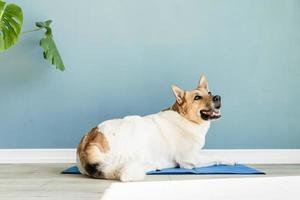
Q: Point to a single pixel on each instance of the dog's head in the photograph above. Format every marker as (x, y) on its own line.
(197, 105)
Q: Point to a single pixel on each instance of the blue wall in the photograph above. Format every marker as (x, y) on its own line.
(122, 56)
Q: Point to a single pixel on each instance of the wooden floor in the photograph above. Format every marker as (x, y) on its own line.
(44, 181)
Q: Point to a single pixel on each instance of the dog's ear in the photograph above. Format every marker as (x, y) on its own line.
(179, 93)
(203, 82)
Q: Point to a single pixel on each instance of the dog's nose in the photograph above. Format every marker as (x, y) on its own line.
(217, 101)
(217, 98)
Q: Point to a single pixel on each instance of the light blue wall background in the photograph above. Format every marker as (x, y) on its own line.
(122, 56)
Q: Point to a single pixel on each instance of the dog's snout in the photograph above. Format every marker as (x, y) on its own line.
(217, 98)
(217, 101)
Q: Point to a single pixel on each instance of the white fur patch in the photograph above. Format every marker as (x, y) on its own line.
(152, 142)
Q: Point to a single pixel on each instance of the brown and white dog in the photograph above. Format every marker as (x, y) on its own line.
(127, 148)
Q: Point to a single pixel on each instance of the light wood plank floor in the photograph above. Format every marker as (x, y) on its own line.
(44, 181)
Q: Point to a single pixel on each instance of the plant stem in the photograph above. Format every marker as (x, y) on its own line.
(37, 29)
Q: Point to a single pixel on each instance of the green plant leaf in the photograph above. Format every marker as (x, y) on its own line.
(11, 21)
(47, 43)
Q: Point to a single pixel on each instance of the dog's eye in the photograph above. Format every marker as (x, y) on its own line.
(209, 93)
(197, 97)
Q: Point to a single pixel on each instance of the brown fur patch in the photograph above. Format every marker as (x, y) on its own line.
(90, 145)
(98, 139)
(95, 137)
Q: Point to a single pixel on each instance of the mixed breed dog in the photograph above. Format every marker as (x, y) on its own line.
(127, 148)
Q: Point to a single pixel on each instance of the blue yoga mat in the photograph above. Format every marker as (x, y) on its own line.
(215, 169)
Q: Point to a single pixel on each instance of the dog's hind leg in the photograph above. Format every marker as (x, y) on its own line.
(132, 171)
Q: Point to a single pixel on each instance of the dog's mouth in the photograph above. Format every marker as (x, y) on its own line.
(210, 114)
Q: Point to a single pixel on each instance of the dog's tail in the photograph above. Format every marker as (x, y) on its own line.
(91, 152)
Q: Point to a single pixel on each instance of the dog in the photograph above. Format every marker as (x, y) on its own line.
(125, 149)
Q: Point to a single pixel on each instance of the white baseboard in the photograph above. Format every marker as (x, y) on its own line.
(247, 156)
